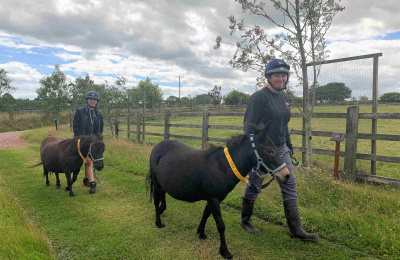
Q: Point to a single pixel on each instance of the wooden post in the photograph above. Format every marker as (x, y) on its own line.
(166, 125)
(336, 166)
(204, 135)
(350, 160)
(138, 126)
(143, 133)
(374, 111)
(128, 122)
(116, 129)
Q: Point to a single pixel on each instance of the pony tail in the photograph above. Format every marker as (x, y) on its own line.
(36, 165)
(149, 184)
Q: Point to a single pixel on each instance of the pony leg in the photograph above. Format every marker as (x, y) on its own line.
(75, 175)
(157, 194)
(58, 184)
(69, 182)
(46, 173)
(215, 208)
(200, 229)
(163, 205)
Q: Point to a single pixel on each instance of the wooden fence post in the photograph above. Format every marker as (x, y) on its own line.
(116, 129)
(166, 125)
(138, 126)
(128, 122)
(350, 160)
(204, 135)
(144, 129)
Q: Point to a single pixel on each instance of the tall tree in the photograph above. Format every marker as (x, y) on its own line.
(332, 92)
(215, 95)
(390, 97)
(203, 99)
(54, 93)
(235, 97)
(78, 90)
(303, 25)
(5, 83)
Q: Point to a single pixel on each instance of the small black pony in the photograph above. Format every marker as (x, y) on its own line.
(191, 174)
(67, 156)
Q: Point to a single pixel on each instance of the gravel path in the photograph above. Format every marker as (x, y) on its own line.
(11, 140)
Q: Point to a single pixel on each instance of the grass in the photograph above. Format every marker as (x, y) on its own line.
(355, 221)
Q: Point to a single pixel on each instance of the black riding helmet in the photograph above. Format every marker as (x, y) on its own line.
(92, 94)
(277, 66)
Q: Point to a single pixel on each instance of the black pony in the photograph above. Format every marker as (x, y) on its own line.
(67, 156)
(191, 174)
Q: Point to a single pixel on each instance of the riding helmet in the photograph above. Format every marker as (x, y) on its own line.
(92, 94)
(276, 66)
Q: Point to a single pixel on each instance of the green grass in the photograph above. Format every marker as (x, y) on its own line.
(355, 221)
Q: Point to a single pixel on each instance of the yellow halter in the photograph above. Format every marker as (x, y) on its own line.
(233, 166)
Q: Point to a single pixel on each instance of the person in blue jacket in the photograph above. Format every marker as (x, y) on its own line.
(88, 120)
(270, 105)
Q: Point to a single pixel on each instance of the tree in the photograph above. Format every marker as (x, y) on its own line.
(5, 83)
(215, 95)
(304, 24)
(363, 98)
(78, 91)
(152, 92)
(390, 97)
(203, 99)
(172, 100)
(235, 97)
(186, 101)
(332, 92)
(54, 93)
(8, 102)
(293, 98)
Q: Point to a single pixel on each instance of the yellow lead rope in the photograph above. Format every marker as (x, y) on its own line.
(233, 167)
(79, 151)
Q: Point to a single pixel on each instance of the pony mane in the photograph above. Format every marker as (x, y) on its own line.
(236, 140)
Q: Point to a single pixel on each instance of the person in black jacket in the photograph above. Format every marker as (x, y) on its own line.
(270, 105)
(88, 120)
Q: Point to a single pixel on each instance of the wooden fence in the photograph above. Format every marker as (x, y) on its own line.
(352, 136)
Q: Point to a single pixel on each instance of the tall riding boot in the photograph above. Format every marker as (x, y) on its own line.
(247, 211)
(293, 221)
(92, 187)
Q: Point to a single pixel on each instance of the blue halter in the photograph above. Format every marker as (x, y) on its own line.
(260, 162)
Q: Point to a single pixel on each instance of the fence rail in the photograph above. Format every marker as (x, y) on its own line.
(350, 154)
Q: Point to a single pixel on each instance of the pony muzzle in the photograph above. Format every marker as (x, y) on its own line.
(282, 176)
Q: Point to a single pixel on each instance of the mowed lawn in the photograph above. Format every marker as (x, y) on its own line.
(355, 221)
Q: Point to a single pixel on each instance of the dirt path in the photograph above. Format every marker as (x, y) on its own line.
(11, 140)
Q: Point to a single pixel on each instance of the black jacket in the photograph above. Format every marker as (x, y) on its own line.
(82, 123)
(264, 106)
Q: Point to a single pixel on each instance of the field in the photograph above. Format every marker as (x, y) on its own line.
(354, 220)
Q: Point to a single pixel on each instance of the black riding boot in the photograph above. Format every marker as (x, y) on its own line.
(86, 182)
(293, 221)
(247, 211)
(92, 187)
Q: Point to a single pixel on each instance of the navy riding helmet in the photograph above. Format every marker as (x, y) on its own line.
(277, 66)
(92, 94)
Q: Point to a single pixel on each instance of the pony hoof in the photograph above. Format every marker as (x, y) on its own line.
(72, 195)
(202, 236)
(226, 254)
(57, 186)
(160, 226)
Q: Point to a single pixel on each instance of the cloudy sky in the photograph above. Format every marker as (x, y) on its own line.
(164, 39)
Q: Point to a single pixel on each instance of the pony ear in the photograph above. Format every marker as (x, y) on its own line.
(269, 142)
(266, 129)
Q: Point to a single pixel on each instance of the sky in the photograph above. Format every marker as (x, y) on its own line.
(168, 40)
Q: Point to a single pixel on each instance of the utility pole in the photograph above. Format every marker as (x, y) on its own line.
(179, 89)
